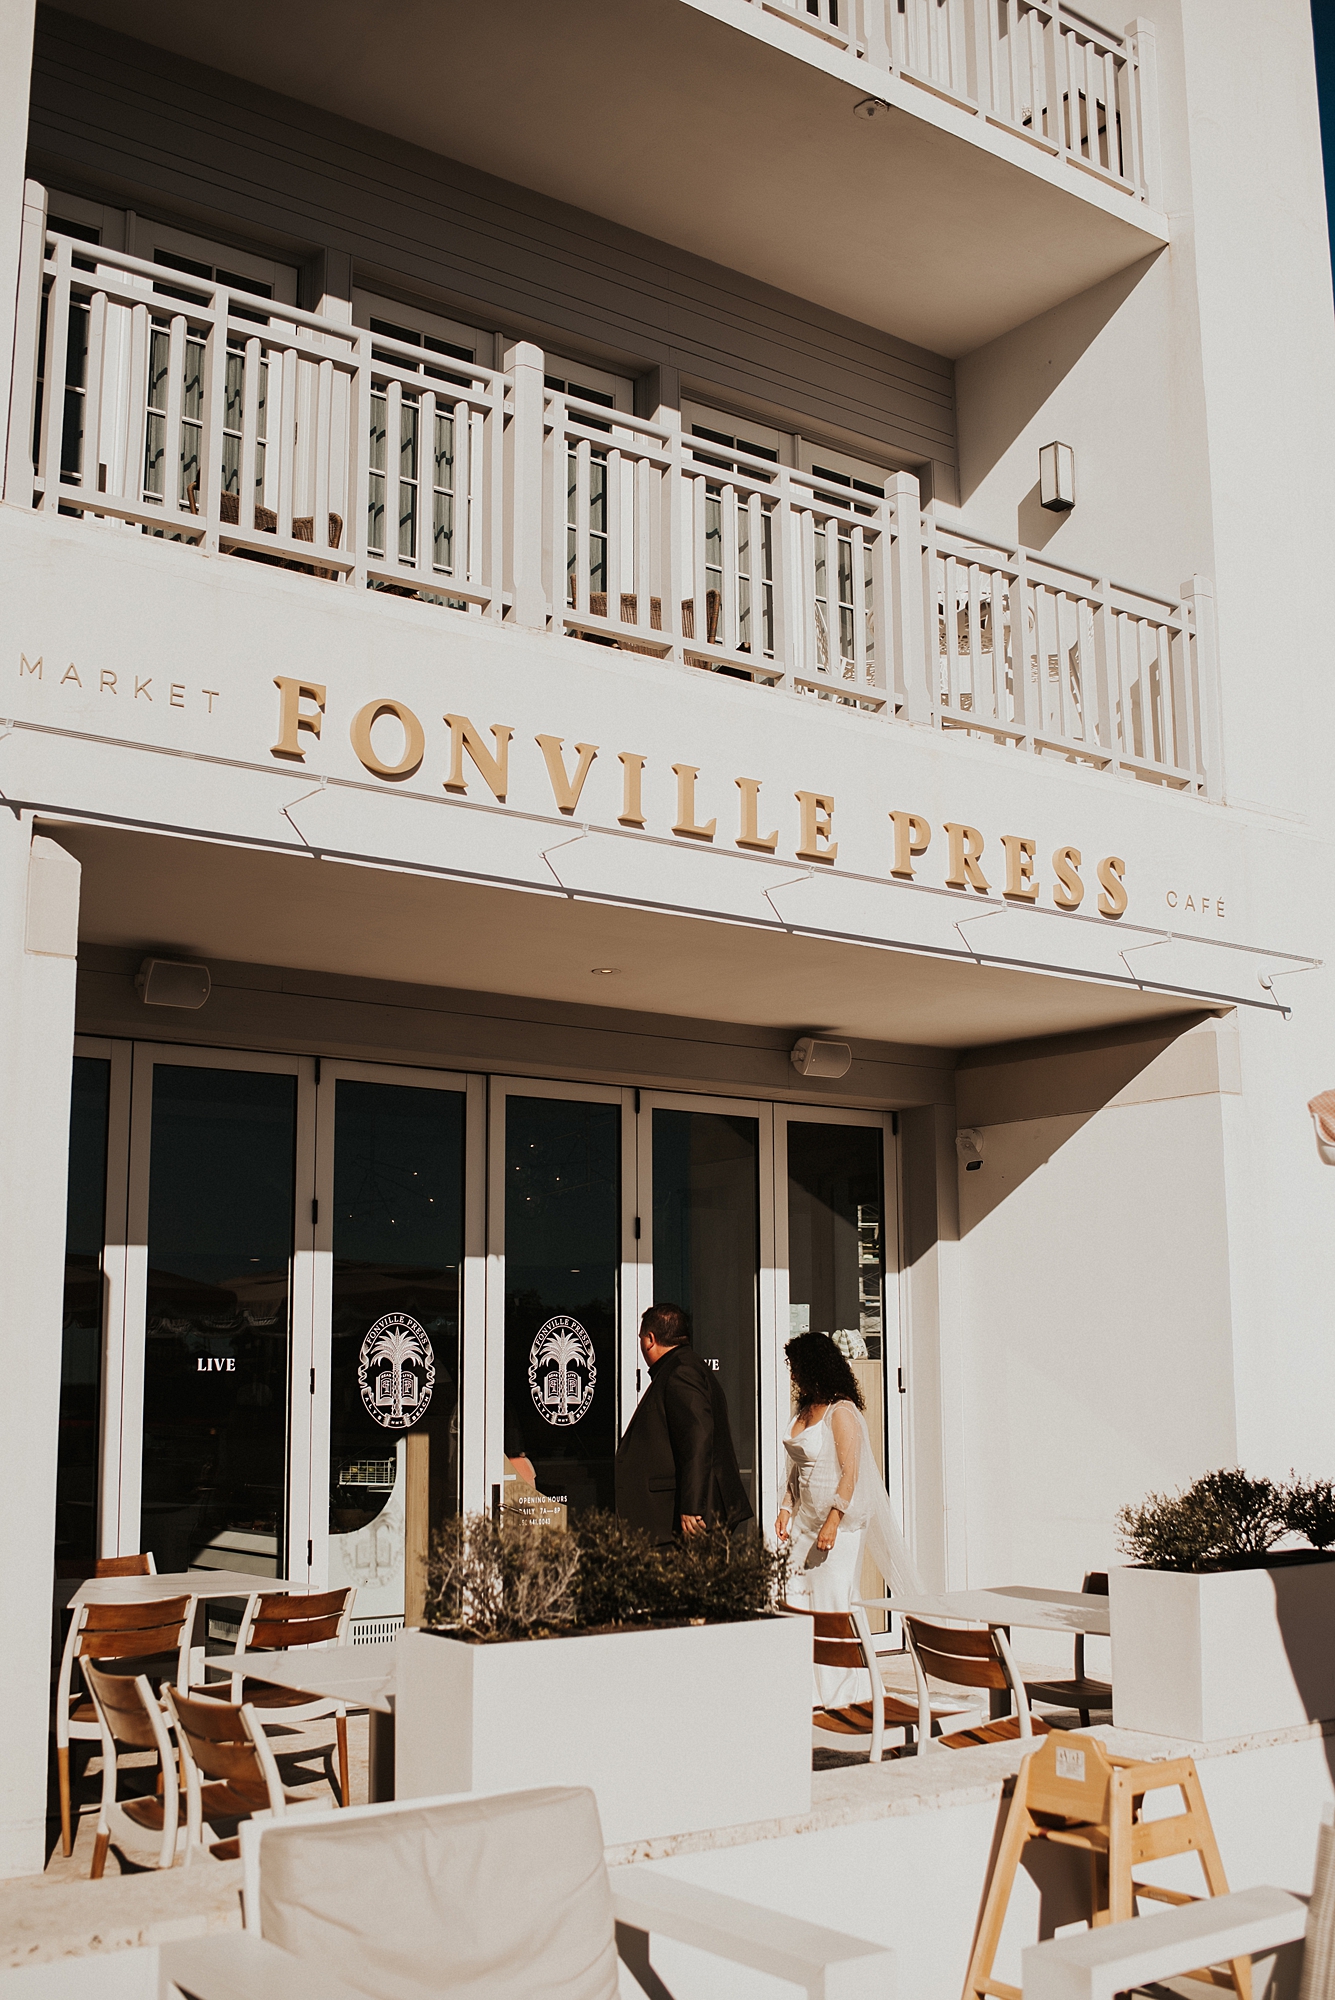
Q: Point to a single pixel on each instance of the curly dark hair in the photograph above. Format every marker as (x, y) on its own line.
(820, 1372)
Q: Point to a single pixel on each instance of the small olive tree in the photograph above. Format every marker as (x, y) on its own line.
(1309, 1510)
(1221, 1516)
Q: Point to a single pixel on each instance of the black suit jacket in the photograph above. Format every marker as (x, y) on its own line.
(677, 1456)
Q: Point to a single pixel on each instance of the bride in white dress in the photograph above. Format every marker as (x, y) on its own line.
(835, 1504)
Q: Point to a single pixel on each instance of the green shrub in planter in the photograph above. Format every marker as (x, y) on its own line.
(1309, 1510)
(501, 1579)
(1221, 1520)
(509, 1579)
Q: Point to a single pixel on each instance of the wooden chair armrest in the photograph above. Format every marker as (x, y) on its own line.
(1096, 1964)
(238, 1965)
(828, 1965)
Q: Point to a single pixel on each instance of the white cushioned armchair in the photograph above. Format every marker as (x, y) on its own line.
(504, 1896)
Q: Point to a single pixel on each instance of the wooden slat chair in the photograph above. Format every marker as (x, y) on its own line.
(1081, 1692)
(131, 1718)
(151, 1637)
(965, 1656)
(229, 1771)
(844, 1639)
(278, 1621)
(141, 1564)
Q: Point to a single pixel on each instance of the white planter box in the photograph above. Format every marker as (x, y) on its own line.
(676, 1731)
(1228, 1654)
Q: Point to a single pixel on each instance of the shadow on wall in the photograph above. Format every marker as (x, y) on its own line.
(1037, 1095)
(1309, 1644)
(1036, 523)
(1021, 371)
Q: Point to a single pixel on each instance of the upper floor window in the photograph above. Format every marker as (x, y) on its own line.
(589, 385)
(197, 257)
(782, 447)
(433, 333)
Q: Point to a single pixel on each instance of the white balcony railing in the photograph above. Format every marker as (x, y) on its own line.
(1031, 654)
(208, 417)
(1037, 67)
(153, 403)
(677, 545)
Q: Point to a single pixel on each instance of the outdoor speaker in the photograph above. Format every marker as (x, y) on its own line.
(172, 982)
(813, 1057)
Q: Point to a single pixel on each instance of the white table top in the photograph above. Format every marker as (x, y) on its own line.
(360, 1675)
(1014, 1604)
(174, 1583)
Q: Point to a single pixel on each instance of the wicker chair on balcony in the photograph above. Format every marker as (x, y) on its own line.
(630, 612)
(266, 523)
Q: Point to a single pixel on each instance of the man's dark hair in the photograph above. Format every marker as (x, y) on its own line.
(820, 1372)
(668, 1324)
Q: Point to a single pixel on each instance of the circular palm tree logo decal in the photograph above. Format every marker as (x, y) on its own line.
(562, 1371)
(397, 1371)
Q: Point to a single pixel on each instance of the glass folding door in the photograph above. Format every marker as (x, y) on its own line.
(213, 1300)
(705, 1244)
(838, 1226)
(392, 1259)
(82, 1320)
(560, 1306)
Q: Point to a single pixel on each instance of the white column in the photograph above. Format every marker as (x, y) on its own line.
(937, 1491)
(523, 481)
(39, 913)
(16, 29)
(908, 661)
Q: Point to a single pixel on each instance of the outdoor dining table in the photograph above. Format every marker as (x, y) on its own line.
(360, 1676)
(201, 1584)
(1012, 1604)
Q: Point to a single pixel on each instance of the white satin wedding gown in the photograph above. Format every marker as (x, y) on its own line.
(833, 1459)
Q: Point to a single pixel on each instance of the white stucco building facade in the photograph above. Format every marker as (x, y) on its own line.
(524, 562)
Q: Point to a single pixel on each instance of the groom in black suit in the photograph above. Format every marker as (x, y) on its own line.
(676, 1469)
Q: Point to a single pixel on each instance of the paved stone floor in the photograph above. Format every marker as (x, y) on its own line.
(47, 1916)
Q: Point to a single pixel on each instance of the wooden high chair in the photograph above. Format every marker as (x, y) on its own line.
(1073, 1793)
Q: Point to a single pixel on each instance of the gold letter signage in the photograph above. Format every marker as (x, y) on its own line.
(1014, 856)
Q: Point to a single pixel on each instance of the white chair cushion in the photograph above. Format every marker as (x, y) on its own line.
(504, 1897)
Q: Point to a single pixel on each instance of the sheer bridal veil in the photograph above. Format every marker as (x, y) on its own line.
(885, 1541)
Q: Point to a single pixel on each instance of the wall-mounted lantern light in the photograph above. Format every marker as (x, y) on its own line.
(1056, 477)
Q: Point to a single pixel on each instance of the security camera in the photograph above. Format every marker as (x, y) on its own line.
(969, 1146)
(814, 1057)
